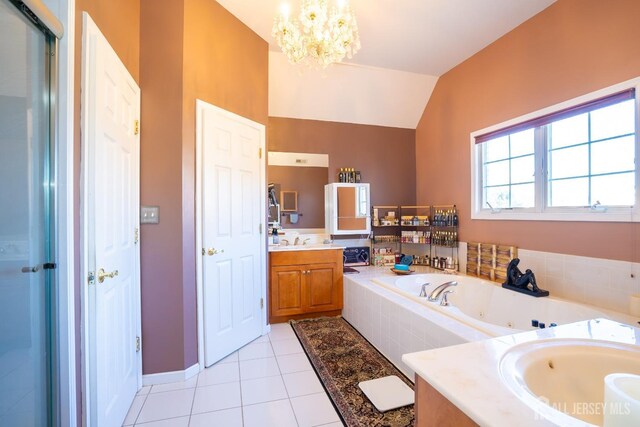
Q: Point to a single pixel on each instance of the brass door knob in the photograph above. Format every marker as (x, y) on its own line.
(104, 275)
(212, 251)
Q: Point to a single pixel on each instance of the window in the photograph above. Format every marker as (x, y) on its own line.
(508, 165)
(575, 161)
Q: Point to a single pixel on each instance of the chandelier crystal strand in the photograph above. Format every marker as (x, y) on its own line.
(320, 36)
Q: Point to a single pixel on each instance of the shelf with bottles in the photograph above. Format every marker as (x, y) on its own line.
(415, 237)
(447, 239)
(385, 238)
(445, 217)
(385, 216)
(349, 175)
(385, 256)
(438, 263)
(415, 216)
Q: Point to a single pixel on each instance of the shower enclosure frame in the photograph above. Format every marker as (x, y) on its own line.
(65, 343)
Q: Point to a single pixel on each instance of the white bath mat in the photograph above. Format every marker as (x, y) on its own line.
(387, 393)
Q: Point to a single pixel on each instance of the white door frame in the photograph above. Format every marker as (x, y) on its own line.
(200, 105)
(65, 216)
(86, 252)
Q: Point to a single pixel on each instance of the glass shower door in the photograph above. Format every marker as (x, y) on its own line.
(25, 231)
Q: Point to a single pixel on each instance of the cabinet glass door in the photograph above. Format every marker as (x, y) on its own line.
(25, 231)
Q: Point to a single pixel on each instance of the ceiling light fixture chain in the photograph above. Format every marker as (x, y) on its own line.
(320, 36)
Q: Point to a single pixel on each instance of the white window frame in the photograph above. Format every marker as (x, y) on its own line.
(540, 212)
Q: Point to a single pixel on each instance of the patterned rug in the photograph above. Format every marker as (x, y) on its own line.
(343, 358)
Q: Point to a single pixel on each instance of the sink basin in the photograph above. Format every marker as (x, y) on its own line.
(563, 379)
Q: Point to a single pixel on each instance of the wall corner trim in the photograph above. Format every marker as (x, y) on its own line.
(170, 377)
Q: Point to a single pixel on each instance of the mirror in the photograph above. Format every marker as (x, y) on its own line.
(274, 205)
(296, 189)
(347, 209)
(289, 201)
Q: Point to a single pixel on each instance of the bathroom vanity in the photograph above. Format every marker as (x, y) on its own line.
(305, 282)
(548, 377)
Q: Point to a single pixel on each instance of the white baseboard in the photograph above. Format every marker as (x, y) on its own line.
(170, 377)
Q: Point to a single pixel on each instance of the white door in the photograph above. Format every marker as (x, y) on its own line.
(232, 200)
(110, 108)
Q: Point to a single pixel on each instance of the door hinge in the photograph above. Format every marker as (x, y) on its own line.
(261, 302)
(260, 228)
(137, 344)
(136, 235)
(136, 127)
(91, 278)
(260, 152)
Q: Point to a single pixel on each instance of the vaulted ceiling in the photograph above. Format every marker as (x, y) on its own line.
(412, 41)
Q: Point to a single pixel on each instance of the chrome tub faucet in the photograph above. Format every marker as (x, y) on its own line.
(440, 291)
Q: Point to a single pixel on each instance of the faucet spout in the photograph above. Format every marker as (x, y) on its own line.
(438, 292)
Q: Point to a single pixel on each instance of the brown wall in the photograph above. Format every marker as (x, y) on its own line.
(309, 182)
(382, 154)
(191, 49)
(571, 48)
(161, 269)
(119, 21)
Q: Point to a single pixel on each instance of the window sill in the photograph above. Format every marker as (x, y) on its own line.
(510, 215)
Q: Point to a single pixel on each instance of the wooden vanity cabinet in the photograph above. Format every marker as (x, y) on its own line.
(305, 284)
(432, 409)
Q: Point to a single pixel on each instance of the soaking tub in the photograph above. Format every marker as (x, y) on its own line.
(387, 310)
(493, 310)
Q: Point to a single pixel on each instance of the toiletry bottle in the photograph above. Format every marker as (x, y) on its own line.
(358, 177)
(455, 218)
(276, 239)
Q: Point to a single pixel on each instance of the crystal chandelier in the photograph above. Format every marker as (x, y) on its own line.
(321, 36)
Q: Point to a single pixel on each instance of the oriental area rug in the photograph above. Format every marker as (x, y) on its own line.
(343, 358)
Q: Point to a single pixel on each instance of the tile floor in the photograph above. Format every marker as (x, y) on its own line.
(267, 383)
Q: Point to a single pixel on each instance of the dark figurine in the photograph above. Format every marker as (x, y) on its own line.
(522, 282)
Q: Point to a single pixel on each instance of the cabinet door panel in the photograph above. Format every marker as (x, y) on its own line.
(322, 287)
(286, 291)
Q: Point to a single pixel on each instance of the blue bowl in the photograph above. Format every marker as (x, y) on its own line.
(401, 267)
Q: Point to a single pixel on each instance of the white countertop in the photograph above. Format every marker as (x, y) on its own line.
(312, 247)
(468, 374)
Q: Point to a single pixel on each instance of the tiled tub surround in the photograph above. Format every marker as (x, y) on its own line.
(398, 324)
(599, 282)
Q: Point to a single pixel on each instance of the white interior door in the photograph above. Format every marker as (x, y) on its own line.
(111, 105)
(232, 200)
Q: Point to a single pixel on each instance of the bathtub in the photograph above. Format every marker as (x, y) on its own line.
(495, 311)
(387, 311)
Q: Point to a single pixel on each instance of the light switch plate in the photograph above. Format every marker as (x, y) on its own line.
(149, 214)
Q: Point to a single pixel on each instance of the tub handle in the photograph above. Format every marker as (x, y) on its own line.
(423, 290)
(444, 301)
